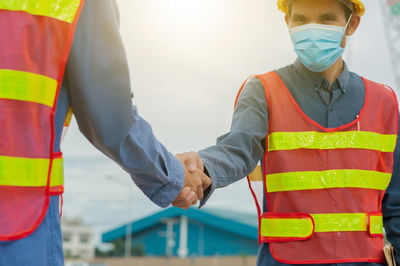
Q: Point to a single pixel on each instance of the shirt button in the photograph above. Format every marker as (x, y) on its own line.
(331, 109)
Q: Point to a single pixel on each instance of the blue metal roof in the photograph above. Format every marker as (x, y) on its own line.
(244, 225)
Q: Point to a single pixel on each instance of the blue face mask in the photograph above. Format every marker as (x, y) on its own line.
(317, 45)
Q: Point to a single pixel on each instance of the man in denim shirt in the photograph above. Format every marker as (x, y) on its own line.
(97, 86)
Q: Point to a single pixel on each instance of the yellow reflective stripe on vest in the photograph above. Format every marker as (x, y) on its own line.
(294, 181)
(376, 225)
(340, 222)
(337, 140)
(64, 10)
(25, 86)
(298, 228)
(331, 222)
(24, 172)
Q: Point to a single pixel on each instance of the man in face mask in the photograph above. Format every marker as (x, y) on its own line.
(319, 34)
(327, 141)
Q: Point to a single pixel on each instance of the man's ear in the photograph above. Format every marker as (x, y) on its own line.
(353, 24)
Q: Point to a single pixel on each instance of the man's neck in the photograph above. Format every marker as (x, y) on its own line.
(332, 73)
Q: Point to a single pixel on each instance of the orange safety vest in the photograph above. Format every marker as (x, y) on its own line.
(36, 38)
(324, 186)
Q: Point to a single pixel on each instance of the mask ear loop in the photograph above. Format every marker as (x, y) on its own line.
(347, 24)
(345, 29)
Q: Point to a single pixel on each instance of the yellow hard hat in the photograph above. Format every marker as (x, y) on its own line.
(358, 5)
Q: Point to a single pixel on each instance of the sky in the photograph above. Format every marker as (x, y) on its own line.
(188, 59)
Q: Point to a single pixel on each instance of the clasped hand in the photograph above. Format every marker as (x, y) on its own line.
(196, 181)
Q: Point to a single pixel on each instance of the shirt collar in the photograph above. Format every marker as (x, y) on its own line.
(317, 81)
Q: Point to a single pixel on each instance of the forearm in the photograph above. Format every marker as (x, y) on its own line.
(226, 163)
(234, 157)
(98, 84)
(152, 167)
(237, 153)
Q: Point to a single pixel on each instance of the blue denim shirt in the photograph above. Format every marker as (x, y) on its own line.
(97, 86)
(237, 153)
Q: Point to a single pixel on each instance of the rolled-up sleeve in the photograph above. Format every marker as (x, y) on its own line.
(238, 152)
(98, 85)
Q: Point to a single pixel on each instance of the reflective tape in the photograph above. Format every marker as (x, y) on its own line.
(337, 140)
(275, 227)
(64, 10)
(286, 228)
(25, 86)
(24, 172)
(294, 181)
(376, 225)
(340, 222)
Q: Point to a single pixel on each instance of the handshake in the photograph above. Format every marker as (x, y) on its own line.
(196, 182)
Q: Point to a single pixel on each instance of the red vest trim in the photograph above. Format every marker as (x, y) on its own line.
(337, 219)
(36, 41)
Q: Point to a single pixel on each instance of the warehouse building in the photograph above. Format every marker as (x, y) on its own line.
(193, 232)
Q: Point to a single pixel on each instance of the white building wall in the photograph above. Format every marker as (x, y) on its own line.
(78, 239)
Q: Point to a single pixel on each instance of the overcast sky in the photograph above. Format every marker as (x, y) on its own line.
(188, 58)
